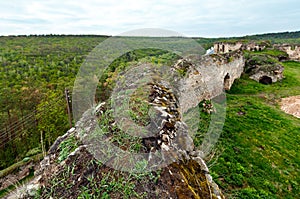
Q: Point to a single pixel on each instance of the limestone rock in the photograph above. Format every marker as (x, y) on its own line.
(264, 69)
(293, 51)
(291, 105)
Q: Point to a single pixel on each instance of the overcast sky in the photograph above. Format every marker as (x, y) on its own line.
(205, 18)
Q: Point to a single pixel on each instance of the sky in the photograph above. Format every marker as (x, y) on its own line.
(202, 18)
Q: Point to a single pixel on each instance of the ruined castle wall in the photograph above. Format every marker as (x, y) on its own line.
(209, 78)
(254, 47)
(292, 50)
(227, 47)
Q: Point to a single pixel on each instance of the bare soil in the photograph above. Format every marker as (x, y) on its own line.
(291, 105)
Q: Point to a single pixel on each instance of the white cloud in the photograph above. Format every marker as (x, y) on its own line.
(191, 17)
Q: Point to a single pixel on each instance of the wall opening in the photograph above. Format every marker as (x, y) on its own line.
(293, 47)
(265, 80)
(282, 58)
(227, 82)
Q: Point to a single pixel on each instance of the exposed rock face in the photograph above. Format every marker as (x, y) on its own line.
(261, 75)
(166, 103)
(264, 69)
(291, 105)
(293, 51)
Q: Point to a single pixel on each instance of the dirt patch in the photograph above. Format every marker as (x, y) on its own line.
(291, 105)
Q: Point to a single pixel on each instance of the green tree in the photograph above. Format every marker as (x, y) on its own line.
(52, 117)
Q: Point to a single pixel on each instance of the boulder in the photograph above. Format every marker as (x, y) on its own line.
(264, 69)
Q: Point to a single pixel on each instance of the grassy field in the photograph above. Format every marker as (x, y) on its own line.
(258, 152)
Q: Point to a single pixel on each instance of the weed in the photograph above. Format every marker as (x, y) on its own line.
(66, 147)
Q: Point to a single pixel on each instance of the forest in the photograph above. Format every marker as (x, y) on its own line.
(34, 72)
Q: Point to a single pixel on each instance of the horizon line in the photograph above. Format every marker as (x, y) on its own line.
(110, 35)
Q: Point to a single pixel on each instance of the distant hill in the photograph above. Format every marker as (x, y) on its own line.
(281, 37)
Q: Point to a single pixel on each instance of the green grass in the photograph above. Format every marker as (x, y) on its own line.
(66, 147)
(260, 157)
(272, 52)
(107, 185)
(289, 86)
(97, 181)
(117, 137)
(139, 106)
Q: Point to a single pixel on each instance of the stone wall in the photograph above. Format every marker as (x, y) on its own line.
(209, 77)
(293, 51)
(223, 47)
(254, 47)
